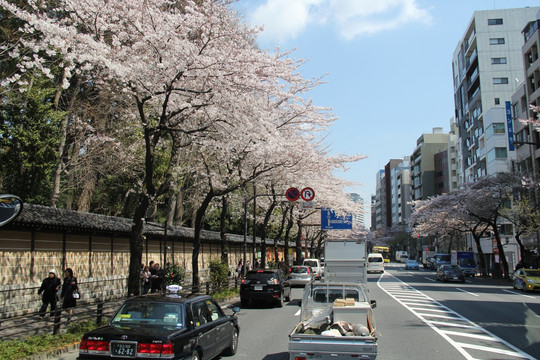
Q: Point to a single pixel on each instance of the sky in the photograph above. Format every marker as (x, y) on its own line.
(388, 66)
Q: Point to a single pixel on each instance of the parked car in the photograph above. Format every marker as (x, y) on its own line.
(450, 273)
(164, 326)
(412, 265)
(265, 285)
(375, 263)
(527, 279)
(300, 275)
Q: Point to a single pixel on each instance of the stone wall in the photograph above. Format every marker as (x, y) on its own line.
(27, 256)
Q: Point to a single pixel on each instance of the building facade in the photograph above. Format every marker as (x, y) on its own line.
(487, 69)
(423, 163)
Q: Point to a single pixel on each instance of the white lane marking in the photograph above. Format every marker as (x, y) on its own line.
(490, 349)
(516, 293)
(298, 312)
(430, 279)
(465, 291)
(459, 322)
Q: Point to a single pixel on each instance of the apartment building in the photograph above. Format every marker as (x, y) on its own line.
(423, 163)
(527, 140)
(487, 70)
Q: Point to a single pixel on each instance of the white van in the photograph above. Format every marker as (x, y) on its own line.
(315, 266)
(375, 263)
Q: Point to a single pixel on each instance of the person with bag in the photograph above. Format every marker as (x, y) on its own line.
(49, 287)
(70, 292)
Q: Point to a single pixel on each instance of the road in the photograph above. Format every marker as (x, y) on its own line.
(417, 318)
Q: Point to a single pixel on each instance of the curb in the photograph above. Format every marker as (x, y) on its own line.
(53, 354)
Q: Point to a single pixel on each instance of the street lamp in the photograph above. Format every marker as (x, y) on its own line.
(519, 143)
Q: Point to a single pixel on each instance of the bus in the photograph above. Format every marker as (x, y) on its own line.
(384, 250)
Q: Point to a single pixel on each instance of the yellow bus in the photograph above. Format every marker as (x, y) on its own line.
(384, 250)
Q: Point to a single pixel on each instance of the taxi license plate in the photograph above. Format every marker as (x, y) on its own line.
(257, 287)
(124, 349)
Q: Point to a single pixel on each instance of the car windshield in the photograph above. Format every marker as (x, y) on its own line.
(299, 270)
(162, 314)
(443, 258)
(328, 295)
(261, 275)
(310, 263)
(532, 273)
(452, 268)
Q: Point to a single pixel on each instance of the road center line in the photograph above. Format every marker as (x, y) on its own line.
(465, 291)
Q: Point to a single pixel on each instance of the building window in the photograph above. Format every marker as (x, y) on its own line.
(495, 21)
(499, 128)
(498, 61)
(497, 153)
(497, 101)
(499, 81)
(496, 41)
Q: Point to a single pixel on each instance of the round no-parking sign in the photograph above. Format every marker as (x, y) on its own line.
(292, 194)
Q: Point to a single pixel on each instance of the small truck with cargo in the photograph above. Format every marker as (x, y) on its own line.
(336, 320)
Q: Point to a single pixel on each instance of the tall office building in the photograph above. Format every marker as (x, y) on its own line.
(487, 69)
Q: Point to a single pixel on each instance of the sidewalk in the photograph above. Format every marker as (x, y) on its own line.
(71, 351)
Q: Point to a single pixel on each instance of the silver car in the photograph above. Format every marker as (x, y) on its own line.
(300, 275)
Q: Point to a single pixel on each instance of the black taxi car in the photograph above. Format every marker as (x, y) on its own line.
(265, 285)
(165, 327)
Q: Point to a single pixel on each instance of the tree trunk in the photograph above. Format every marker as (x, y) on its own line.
(61, 146)
(502, 257)
(223, 230)
(290, 223)
(197, 241)
(299, 243)
(264, 229)
(135, 246)
(279, 234)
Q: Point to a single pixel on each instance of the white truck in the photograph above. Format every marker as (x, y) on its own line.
(401, 253)
(345, 261)
(336, 320)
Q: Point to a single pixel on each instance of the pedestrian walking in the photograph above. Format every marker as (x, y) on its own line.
(145, 280)
(48, 288)
(239, 268)
(157, 278)
(70, 292)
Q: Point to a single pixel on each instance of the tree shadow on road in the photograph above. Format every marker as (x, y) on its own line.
(278, 356)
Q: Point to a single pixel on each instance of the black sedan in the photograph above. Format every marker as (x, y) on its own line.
(164, 326)
(265, 285)
(450, 273)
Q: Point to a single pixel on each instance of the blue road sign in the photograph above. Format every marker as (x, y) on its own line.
(330, 221)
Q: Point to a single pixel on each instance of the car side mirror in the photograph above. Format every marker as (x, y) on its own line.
(235, 310)
(10, 209)
(373, 304)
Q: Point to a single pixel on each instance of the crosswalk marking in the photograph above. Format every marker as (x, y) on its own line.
(442, 319)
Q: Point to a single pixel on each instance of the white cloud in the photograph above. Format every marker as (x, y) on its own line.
(286, 19)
